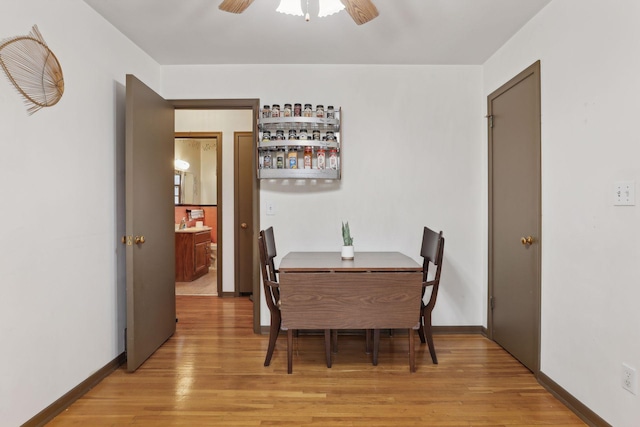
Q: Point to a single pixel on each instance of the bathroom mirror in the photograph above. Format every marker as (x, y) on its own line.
(197, 183)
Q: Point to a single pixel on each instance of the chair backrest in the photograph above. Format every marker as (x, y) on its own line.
(270, 248)
(432, 252)
(267, 248)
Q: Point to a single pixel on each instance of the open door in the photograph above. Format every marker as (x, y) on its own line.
(150, 259)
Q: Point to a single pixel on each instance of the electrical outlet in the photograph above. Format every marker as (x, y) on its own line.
(624, 193)
(629, 379)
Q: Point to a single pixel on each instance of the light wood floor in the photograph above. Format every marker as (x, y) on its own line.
(211, 373)
(205, 285)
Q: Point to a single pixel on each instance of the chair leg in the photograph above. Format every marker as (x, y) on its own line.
(367, 341)
(327, 346)
(376, 346)
(274, 330)
(412, 352)
(421, 328)
(429, 336)
(421, 332)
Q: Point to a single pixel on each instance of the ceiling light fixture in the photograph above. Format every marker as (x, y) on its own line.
(290, 7)
(294, 7)
(361, 11)
(329, 7)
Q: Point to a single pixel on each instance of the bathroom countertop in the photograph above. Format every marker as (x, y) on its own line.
(193, 229)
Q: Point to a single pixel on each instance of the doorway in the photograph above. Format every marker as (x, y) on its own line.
(225, 211)
(515, 216)
(198, 157)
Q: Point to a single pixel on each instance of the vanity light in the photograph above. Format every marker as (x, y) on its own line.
(181, 165)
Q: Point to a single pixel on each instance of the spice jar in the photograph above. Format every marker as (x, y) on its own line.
(307, 112)
(266, 111)
(330, 136)
(292, 134)
(331, 114)
(321, 158)
(316, 135)
(319, 110)
(275, 110)
(287, 110)
(297, 110)
(279, 135)
(266, 136)
(292, 158)
(308, 154)
(280, 158)
(267, 160)
(333, 159)
(303, 134)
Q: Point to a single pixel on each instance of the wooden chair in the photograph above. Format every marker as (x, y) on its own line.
(432, 251)
(267, 247)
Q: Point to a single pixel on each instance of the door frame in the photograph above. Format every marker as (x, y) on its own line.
(533, 69)
(234, 104)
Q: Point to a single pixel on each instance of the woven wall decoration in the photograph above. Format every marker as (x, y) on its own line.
(33, 69)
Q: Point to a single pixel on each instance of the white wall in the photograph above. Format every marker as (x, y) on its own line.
(413, 150)
(62, 308)
(227, 122)
(590, 76)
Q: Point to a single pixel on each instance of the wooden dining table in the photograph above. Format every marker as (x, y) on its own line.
(375, 290)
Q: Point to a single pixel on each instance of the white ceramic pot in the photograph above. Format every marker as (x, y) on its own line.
(347, 252)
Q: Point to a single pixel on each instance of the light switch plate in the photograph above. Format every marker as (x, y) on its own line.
(624, 193)
(270, 208)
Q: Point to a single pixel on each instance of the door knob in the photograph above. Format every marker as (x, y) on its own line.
(527, 240)
(243, 225)
(139, 239)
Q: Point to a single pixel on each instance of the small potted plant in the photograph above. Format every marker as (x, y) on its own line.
(347, 240)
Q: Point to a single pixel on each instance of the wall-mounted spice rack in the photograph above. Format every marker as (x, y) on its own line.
(296, 147)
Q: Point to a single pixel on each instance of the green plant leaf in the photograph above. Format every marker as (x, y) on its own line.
(346, 235)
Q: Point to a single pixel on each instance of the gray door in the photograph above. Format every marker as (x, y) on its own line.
(150, 259)
(514, 216)
(245, 188)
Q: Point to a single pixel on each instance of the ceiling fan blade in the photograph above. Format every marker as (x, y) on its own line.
(361, 11)
(234, 6)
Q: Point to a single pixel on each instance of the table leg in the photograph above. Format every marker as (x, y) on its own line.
(334, 343)
(289, 351)
(376, 346)
(367, 341)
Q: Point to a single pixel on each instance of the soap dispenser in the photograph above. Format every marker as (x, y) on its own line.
(183, 224)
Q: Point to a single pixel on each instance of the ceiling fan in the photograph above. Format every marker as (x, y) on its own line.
(361, 11)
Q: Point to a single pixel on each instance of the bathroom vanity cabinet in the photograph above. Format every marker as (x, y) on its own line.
(193, 256)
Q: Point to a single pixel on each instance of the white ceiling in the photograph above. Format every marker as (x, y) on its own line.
(406, 32)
